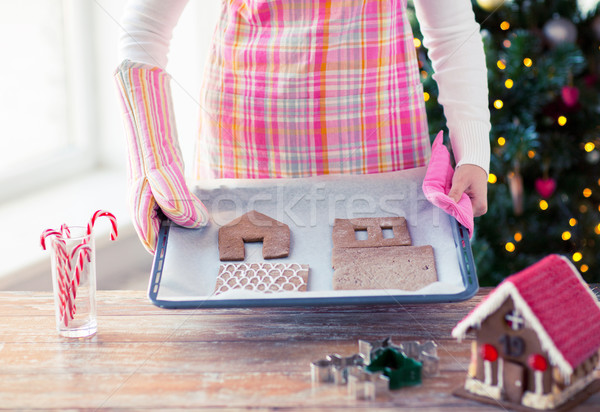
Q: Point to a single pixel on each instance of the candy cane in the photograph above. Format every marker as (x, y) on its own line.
(63, 272)
(46, 233)
(62, 259)
(76, 266)
(64, 229)
(66, 293)
(79, 255)
(90, 227)
(113, 221)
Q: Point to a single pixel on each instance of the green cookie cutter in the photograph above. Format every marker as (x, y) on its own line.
(402, 370)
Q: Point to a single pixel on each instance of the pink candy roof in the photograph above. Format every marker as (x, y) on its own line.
(556, 303)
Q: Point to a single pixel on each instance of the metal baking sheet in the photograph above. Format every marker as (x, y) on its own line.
(186, 263)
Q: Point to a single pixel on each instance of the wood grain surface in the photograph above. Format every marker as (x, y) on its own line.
(147, 358)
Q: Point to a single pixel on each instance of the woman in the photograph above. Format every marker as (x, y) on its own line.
(297, 88)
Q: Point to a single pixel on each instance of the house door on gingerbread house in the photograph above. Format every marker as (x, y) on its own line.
(533, 346)
(514, 376)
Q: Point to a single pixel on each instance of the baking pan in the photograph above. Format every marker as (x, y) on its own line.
(186, 262)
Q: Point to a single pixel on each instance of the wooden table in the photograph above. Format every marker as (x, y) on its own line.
(144, 357)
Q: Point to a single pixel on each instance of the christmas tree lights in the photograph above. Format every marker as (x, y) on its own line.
(544, 96)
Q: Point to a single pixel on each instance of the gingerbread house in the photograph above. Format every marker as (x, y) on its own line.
(537, 337)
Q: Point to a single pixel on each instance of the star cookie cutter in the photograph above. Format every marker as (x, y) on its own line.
(334, 368)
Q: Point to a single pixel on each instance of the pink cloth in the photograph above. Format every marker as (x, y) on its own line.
(437, 184)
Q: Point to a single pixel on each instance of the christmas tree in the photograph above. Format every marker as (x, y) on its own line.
(543, 59)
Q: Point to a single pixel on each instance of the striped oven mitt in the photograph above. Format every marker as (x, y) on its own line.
(156, 178)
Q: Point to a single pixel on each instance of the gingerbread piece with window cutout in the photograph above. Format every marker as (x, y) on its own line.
(377, 253)
(370, 232)
(536, 343)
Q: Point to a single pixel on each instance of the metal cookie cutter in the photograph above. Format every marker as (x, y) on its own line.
(334, 368)
(366, 385)
(369, 349)
(425, 352)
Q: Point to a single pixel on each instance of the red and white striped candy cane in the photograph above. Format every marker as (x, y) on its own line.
(47, 233)
(113, 221)
(63, 266)
(86, 252)
(77, 265)
(64, 229)
(62, 270)
(79, 255)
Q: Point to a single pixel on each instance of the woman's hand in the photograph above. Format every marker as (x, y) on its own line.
(472, 180)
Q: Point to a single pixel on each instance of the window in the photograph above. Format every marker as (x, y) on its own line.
(70, 124)
(361, 234)
(514, 320)
(46, 129)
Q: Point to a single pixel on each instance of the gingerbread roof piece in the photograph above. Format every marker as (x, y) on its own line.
(556, 303)
(254, 227)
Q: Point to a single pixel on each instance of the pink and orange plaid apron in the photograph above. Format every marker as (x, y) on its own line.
(297, 88)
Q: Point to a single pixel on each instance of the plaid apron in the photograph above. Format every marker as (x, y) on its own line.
(297, 88)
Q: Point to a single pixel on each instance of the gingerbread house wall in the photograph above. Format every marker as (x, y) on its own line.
(253, 227)
(580, 372)
(344, 232)
(495, 331)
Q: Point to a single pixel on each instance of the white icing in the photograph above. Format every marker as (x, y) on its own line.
(261, 277)
(482, 389)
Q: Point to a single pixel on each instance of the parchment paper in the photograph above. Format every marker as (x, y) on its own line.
(309, 206)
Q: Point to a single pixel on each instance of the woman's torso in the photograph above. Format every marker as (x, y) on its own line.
(297, 88)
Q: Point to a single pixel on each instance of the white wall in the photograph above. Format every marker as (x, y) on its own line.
(74, 201)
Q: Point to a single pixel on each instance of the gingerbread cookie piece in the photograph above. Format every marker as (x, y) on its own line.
(262, 277)
(407, 268)
(345, 232)
(254, 227)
